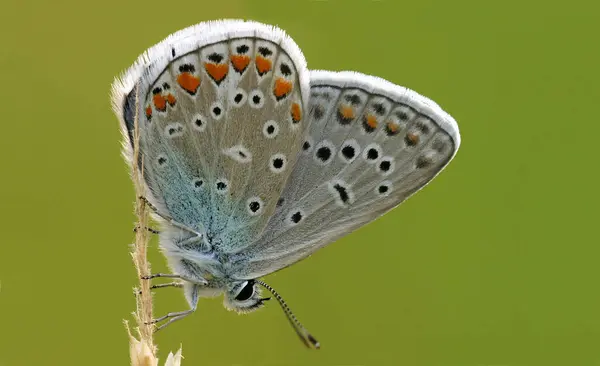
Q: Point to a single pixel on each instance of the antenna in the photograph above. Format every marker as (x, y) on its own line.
(306, 338)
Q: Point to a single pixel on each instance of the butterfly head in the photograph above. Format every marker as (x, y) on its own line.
(244, 297)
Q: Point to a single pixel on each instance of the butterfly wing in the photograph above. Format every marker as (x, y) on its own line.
(370, 146)
(221, 122)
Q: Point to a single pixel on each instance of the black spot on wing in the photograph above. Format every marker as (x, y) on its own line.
(215, 57)
(264, 51)
(342, 192)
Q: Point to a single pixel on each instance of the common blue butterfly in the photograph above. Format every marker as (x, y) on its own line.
(251, 162)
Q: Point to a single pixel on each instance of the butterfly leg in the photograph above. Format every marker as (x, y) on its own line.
(196, 280)
(170, 284)
(173, 317)
(163, 285)
(169, 218)
(192, 296)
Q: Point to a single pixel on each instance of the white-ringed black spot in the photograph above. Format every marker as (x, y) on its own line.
(270, 129)
(239, 98)
(222, 186)
(172, 52)
(216, 110)
(349, 151)
(254, 206)
(199, 122)
(197, 184)
(372, 153)
(256, 99)
(384, 188)
(324, 152)
(277, 163)
(342, 192)
(386, 165)
(295, 217)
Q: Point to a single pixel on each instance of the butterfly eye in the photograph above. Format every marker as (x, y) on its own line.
(246, 292)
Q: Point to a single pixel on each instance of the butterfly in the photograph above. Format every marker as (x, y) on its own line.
(251, 162)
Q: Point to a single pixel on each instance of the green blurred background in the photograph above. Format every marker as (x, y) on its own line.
(495, 263)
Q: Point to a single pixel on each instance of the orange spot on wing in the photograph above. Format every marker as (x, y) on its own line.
(188, 82)
(393, 127)
(148, 112)
(412, 138)
(372, 121)
(296, 113)
(263, 65)
(217, 71)
(171, 99)
(347, 111)
(159, 102)
(282, 87)
(240, 62)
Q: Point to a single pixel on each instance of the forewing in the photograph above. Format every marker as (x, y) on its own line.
(221, 117)
(370, 146)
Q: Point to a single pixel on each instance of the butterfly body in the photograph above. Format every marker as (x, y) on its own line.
(251, 162)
